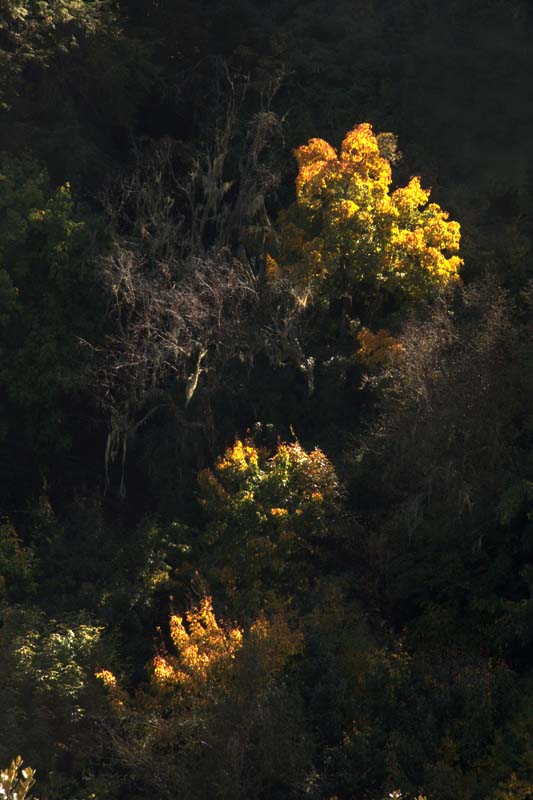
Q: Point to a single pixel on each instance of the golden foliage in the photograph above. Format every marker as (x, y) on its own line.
(205, 657)
(376, 348)
(117, 696)
(246, 477)
(107, 678)
(203, 647)
(279, 512)
(269, 513)
(239, 459)
(347, 226)
(16, 782)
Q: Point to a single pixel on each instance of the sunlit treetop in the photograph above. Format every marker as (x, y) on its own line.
(270, 514)
(349, 229)
(202, 646)
(376, 349)
(205, 652)
(253, 484)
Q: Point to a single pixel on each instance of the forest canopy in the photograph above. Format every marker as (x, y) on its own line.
(266, 486)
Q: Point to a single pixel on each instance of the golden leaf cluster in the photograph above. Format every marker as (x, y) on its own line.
(349, 227)
(202, 647)
(376, 348)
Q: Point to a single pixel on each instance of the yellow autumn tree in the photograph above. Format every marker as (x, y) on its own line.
(349, 230)
(203, 649)
(216, 718)
(204, 654)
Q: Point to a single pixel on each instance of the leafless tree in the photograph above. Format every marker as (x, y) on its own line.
(450, 399)
(184, 277)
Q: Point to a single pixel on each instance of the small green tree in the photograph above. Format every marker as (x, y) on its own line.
(45, 694)
(16, 564)
(48, 302)
(271, 517)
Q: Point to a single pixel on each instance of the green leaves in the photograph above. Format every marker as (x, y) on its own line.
(16, 564)
(36, 32)
(270, 517)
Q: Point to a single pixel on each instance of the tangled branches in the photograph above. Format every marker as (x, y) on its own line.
(185, 282)
(168, 334)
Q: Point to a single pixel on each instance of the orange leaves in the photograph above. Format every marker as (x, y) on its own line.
(203, 647)
(408, 198)
(361, 157)
(116, 695)
(238, 459)
(164, 671)
(279, 512)
(206, 650)
(348, 228)
(315, 160)
(316, 152)
(376, 348)
(107, 678)
(217, 680)
(322, 171)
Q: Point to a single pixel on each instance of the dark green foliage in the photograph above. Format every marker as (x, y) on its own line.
(49, 303)
(16, 566)
(450, 469)
(47, 668)
(69, 68)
